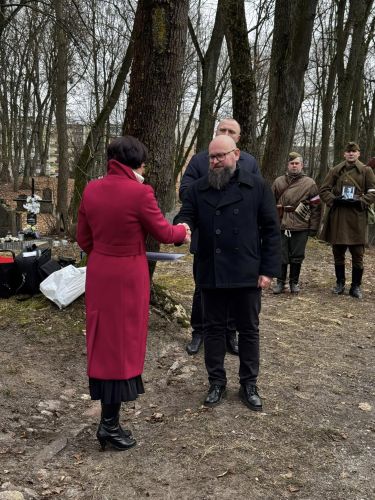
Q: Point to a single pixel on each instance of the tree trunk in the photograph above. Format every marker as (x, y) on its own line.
(159, 44)
(244, 94)
(209, 64)
(369, 149)
(359, 12)
(61, 119)
(289, 58)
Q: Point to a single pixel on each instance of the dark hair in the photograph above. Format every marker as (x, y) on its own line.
(127, 150)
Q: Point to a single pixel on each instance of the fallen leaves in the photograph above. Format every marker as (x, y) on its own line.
(365, 406)
(155, 417)
(223, 474)
(348, 315)
(293, 488)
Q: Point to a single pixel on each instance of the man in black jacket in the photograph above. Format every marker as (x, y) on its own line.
(197, 168)
(238, 254)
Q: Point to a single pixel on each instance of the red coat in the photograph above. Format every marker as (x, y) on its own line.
(115, 216)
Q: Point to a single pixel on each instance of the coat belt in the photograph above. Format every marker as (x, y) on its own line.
(119, 250)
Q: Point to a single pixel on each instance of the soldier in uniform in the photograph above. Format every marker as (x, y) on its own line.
(348, 190)
(298, 204)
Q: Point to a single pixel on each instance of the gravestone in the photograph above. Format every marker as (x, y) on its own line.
(20, 202)
(46, 201)
(10, 221)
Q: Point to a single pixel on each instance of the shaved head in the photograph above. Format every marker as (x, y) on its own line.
(230, 127)
(223, 141)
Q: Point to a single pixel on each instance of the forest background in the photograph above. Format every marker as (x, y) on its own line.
(293, 73)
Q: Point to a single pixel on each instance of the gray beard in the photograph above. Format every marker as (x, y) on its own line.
(219, 178)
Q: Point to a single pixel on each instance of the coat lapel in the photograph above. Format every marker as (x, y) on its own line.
(231, 195)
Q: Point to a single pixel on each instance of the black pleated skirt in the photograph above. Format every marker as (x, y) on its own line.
(116, 391)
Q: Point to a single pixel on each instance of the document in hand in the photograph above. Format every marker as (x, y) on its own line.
(163, 256)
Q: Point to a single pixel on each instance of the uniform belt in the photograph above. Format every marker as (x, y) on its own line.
(119, 250)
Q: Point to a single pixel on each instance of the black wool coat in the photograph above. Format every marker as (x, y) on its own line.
(239, 233)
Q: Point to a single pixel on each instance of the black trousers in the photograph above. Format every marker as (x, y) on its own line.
(196, 319)
(245, 305)
(293, 247)
(357, 252)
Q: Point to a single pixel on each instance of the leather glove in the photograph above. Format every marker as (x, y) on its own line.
(313, 233)
(339, 201)
(353, 203)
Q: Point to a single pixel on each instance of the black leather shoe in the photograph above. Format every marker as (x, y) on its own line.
(355, 292)
(215, 395)
(194, 346)
(339, 289)
(232, 343)
(249, 395)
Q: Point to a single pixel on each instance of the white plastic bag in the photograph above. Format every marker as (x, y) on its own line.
(65, 285)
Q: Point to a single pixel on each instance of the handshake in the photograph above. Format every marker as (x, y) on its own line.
(188, 232)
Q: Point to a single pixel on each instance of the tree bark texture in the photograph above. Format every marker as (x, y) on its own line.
(359, 12)
(244, 94)
(159, 43)
(209, 61)
(60, 113)
(289, 59)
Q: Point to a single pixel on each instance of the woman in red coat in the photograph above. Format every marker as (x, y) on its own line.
(116, 214)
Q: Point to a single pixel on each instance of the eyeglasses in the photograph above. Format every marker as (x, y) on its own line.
(220, 156)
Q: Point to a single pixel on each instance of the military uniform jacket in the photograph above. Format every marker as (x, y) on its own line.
(239, 234)
(292, 192)
(347, 225)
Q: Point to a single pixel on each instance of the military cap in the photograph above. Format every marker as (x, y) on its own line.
(352, 146)
(293, 155)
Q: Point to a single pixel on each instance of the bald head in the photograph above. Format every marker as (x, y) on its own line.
(230, 127)
(223, 152)
(224, 141)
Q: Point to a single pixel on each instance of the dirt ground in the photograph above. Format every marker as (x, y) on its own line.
(314, 439)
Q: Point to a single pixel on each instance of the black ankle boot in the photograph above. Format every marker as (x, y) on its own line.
(280, 284)
(110, 431)
(355, 288)
(340, 280)
(295, 270)
(195, 344)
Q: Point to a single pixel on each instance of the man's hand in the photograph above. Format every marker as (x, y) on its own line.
(188, 232)
(264, 282)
